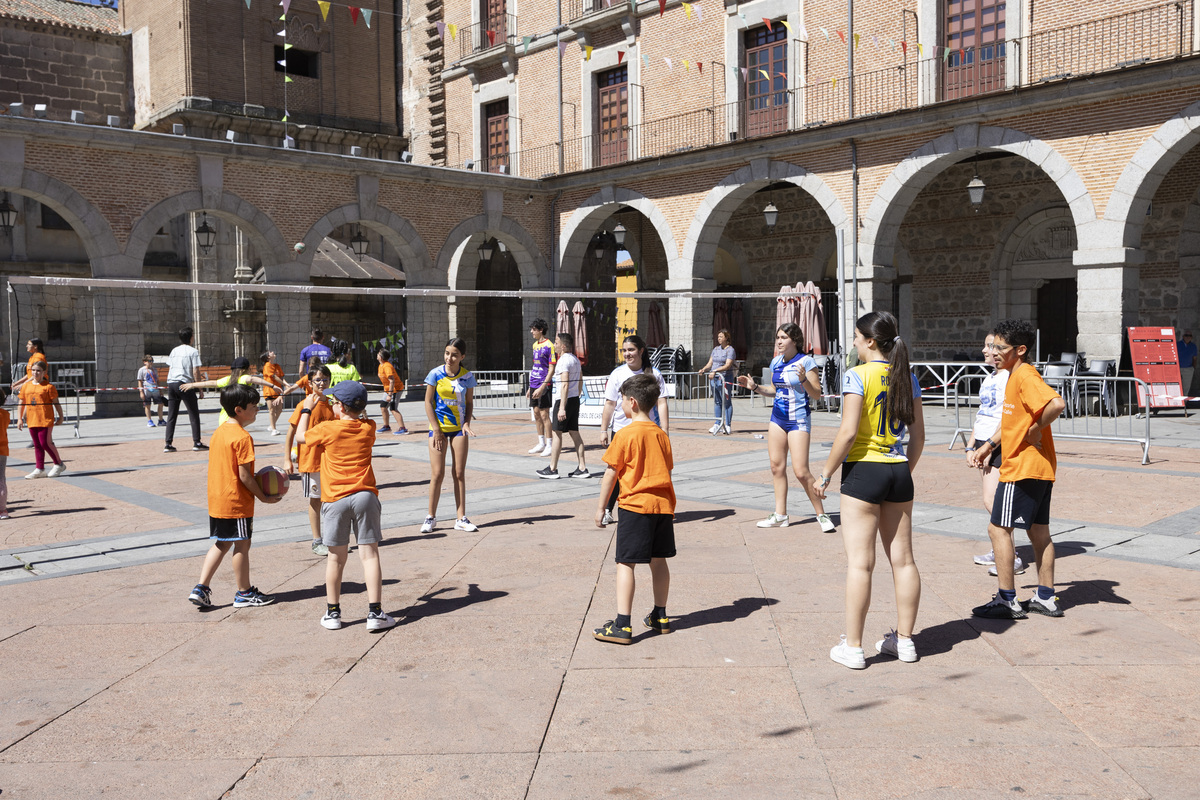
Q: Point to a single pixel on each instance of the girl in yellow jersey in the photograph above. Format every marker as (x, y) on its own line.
(880, 401)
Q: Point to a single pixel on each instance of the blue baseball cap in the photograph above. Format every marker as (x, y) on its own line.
(351, 394)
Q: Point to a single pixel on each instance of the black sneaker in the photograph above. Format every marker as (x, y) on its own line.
(168, 449)
(1049, 608)
(198, 446)
(660, 624)
(609, 632)
(580, 473)
(201, 596)
(548, 474)
(999, 608)
(251, 597)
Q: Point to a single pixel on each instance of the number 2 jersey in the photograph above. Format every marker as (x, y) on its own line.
(878, 438)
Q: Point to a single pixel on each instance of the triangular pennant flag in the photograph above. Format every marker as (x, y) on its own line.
(366, 12)
(247, 3)
(354, 12)
(662, 7)
(856, 38)
(562, 49)
(282, 62)
(842, 36)
(646, 60)
(450, 26)
(904, 47)
(825, 32)
(785, 24)
(620, 56)
(745, 74)
(699, 13)
(803, 34)
(875, 41)
(324, 6)
(282, 32)
(287, 4)
(946, 55)
(962, 55)
(892, 45)
(685, 65)
(700, 66)
(285, 116)
(288, 46)
(287, 79)
(669, 65)
(767, 22)
(687, 10)
(526, 40)
(834, 83)
(921, 50)
(781, 75)
(587, 53)
(283, 17)
(491, 38)
(764, 74)
(441, 26)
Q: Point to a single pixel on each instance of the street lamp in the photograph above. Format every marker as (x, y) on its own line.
(485, 250)
(206, 235)
(771, 213)
(8, 216)
(975, 191)
(619, 234)
(359, 244)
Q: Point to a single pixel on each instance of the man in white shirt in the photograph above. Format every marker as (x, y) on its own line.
(564, 417)
(182, 365)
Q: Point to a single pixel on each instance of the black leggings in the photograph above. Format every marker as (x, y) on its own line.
(174, 396)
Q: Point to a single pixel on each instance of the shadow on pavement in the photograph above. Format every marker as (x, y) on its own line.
(496, 523)
(711, 515)
(431, 604)
(738, 609)
(417, 538)
(350, 590)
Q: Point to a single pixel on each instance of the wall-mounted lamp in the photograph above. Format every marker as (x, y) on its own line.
(485, 249)
(771, 214)
(619, 234)
(8, 216)
(359, 244)
(975, 191)
(206, 235)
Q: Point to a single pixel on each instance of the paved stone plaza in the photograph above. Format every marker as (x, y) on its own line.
(491, 685)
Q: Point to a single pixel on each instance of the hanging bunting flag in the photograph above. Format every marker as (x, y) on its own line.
(562, 49)
(825, 33)
(491, 38)
(287, 4)
(785, 24)
(687, 10)
(324, 6)
(366, 12)
(842, 36)
(282, 62)
(962, 54)
(700, 66)
(669, 65)
(946, 55)
(526, 40)
(453, 30)
(620, 56)
(247, 3)
(745, 73)
(685, 65)
(587, 53)
(904, 46)
(856, 38)
(764, 74)
(283, 17)
(441, 28)
(892, 45)
(354, 12)
(282, 32)
(767, 22)
(288, 46)
(662, 7)
(803, 34)
(875, 41)
(285, 116)
(646, 60)
(287, 79)
(835, 83)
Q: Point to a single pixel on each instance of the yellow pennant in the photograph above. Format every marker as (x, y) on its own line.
(834, 83)
(587, 53)
(687, 8)
(764, 74)
(920, 50)
(324, 6)
(453, 30)
(784, 23)
(856, 38)
(685, 65)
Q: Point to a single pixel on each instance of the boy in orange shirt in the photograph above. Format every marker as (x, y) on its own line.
(1026, 474)
(273, 374)
(308, 460)
(639, 457)
(232, 490)
(349, 499)
(392, 386)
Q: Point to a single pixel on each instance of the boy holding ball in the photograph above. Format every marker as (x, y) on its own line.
(232, 490)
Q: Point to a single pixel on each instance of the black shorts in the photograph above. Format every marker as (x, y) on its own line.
(239, 529)
(389, 403)
(877, 482)
(1022, 504)
(994, 459)
(571, 423)
(152, 397)
(540, 402)
(641, 537)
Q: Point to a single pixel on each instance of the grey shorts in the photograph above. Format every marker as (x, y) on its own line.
(310, 482)
(359, 512)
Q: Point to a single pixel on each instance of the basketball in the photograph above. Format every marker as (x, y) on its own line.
(273, 481)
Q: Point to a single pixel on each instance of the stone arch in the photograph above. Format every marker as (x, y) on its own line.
(583, 224)
(883, 219)
(268, 241)
(1015, 280)
(708, 225)
(397, 231)
(87, 221)
(459, 263)
(1125, 213)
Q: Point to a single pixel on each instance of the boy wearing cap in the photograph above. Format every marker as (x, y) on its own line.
(349, 499)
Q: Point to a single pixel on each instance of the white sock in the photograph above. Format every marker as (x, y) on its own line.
(542, 440)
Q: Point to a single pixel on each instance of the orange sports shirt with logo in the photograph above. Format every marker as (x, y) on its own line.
(1024, 399)
(228, 448)
(641, 454)
(345, 448)
(308, 459)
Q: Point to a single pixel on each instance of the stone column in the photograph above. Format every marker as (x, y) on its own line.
(1108, 303)
(463, 320)
(689, 320)
(428, 330)
(289, 325)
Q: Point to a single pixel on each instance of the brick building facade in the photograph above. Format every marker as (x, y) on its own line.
(1090, 218)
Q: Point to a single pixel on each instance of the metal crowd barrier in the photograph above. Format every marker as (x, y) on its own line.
(502, 389)
(939, 378)
(1101, 422)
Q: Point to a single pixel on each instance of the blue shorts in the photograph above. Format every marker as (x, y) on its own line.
(449, 434)
(801, 423)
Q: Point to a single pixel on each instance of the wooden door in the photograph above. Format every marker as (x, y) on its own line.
(766, 97)
(975, 38)
(496, 126)
(612, 99)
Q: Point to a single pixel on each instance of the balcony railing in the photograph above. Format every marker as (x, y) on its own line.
(494, 32)
(578, 9)
(1159, 33)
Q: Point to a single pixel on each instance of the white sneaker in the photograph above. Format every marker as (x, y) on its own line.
(1018, 567)
(427, 525)
(332, 620)
(275, 432)
(537, 449)
(465, 524)
(893, 645)
(608, 518)
(986, 560)
(727, 430)
(826, 523)
(774, 521)
(852, 657)
(715, 429)
(56, 470)
(548, 450)
(380, 622)
(37, 473)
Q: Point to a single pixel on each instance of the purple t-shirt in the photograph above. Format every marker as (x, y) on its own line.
(319, 350)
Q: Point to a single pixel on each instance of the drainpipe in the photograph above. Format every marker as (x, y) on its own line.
(555, 255)
(558, 29)
(854, 219)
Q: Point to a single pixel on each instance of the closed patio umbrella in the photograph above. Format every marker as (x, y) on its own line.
(721, 318)
(580, 332)
(787, 308)
(564, 317)
(656, 336)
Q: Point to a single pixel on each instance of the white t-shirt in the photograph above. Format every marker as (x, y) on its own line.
(568, 364)
(183, 363)
(991, 404)
(612, 391)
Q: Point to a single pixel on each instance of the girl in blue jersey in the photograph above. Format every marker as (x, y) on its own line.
(793, 382)
(880, 400)
(449, 400)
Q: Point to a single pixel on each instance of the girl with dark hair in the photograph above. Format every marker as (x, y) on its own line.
(793, 382)
(449, 405)
(633, 349)
(341, 368)
(879, 403)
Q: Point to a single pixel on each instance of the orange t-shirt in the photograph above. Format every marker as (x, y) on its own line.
(39, 399)
(36, 357)
(308, 459)
(345, 448)
(1024, 399)
(305, 384)
(228, 448)
(641, 454)
(4, 421)
(272, 371)
(390, 378)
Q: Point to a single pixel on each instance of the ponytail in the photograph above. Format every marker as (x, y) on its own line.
(884, 329)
